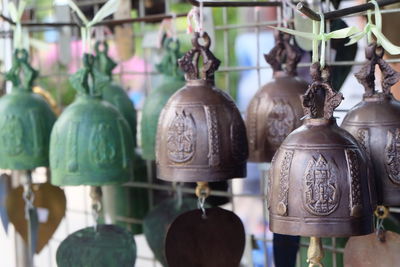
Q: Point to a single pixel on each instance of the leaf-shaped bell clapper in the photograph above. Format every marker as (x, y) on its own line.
(320, 183)
(112, 92)
(91, 142)
(26, 120)
(201, 135)
(375, 123)
(172, 81)
(276, 110)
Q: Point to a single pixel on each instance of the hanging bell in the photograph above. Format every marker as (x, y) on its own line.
(91, 142)
(375, 123)
(113, 93)
(172, 81)
(275, 111)
(320, 184)
(201, 135)
(26, 120)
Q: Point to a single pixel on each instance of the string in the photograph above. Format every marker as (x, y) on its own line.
(201, 11)
(315, 51)
(16, 15)
(376, 30)
(106, 10)
(324, 39)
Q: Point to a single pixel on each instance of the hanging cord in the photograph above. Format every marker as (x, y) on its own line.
(168, 27)
(318, 35)
(96, 196)
(202, 192)
(106, 10)
(375, 29)
(196, 17)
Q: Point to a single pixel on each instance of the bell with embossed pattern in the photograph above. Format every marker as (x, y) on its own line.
(320, 184)
(275, 111)
(113, 93)
(201, 135)
(172, 81)
(26, 120)
(91, 142)
(375, 123)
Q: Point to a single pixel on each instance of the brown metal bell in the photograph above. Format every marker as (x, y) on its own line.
(201, 135)
(319, 179)
(375, 123)
(275, 111)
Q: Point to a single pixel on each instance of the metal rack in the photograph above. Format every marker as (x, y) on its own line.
(227, 69)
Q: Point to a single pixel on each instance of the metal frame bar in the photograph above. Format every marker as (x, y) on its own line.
(303, 8)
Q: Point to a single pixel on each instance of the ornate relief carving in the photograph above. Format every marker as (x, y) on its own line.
(102, 148)
(213, 137)
(355, 182)
(283, 194)
(321, 192)
(238, 139)
(181, 139)
(12, 135)
(363, 139)
(392, 155)
(72, 146)
(280, 122)
(252, 124)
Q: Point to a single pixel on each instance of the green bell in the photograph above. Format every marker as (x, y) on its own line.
(91, 142)
(173, 80)
(26, 120)
(113, 92)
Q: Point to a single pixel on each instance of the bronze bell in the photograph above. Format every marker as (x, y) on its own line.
(375, 123)
(201, 135)
(320, 183)
(275, 111)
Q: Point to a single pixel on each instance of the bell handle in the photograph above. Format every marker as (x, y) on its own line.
(284, 53)
(320, 100)
(102, 61)
(169, 63)
(88, 80)
(189, 63)
(22, 74)
(315, 252)
(366, 76)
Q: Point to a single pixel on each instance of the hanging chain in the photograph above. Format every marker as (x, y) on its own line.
(381, 213)
(96, 195)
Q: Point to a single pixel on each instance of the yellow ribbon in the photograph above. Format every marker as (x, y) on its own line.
(109, 8)
(375, 29)
(321, 36)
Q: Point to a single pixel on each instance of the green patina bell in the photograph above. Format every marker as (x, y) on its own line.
(113, 92)
(173, 80)
(91, 142)
(25, 121)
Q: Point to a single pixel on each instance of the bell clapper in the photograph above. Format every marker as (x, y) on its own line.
(95, 195)
(315, 252)
(381, 213)
(202, 192)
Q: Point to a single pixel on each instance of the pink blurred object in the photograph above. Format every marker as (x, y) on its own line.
(45, 60)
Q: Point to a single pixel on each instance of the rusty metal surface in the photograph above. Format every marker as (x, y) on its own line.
(201, 135)
(215, 241)
(375, 123)
(276, 110)
(369, 251)
(320, 182)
